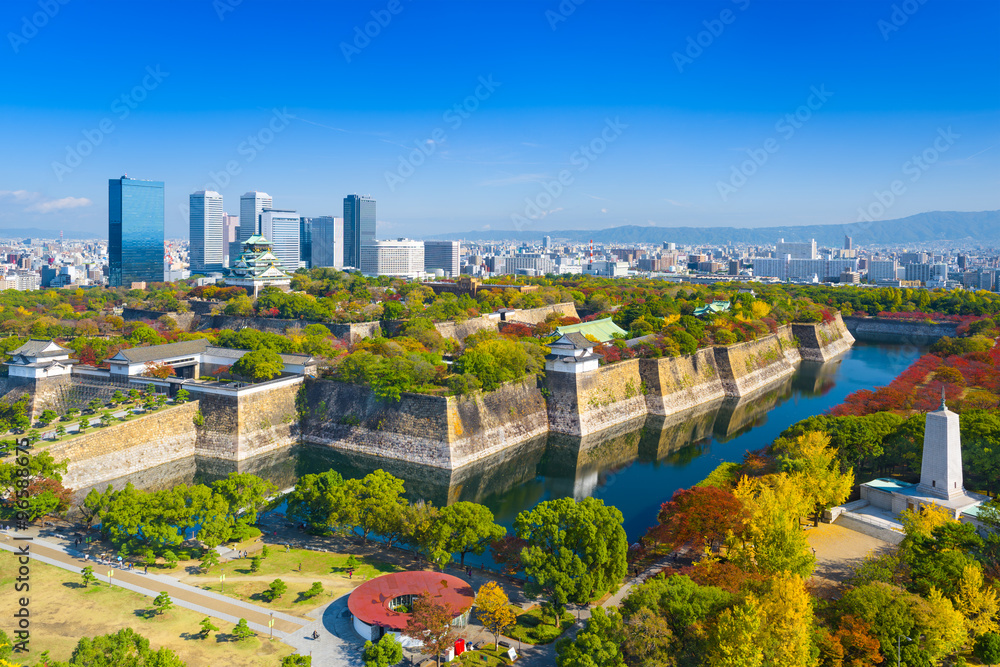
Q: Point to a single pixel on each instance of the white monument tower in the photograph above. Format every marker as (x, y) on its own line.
(941, 463)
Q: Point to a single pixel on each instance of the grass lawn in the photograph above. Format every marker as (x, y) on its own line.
(532, 629)
(326, 568)
(63, 611)
(493, 658)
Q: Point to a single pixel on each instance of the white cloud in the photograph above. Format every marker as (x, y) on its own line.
(604, 210)
(59, 204)
(20, 195)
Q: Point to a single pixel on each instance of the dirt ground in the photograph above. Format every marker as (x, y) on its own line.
(838, 551)
(62, 611)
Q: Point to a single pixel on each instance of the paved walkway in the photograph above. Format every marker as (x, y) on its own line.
(183, 595)
(338, 644)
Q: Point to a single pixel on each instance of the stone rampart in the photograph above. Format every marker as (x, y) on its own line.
(240, 425)
(680, 383)
(878, 330)
(537, 315)
(107, 453)
(789, 345)
(748, 367)
(445, 432)
(823, 341)
(584, 403)
(184, 320)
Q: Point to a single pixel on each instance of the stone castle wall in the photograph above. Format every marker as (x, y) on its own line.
(584, 403)
(444, 432)
(748, 367)
(680, 383)
(537, 315)
(184, 320)
(823, 341)
(106, 453)
(876, 330)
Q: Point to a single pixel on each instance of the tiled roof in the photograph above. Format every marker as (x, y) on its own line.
(36, 348)
(576, 340)
(139, 355)
(603, 330)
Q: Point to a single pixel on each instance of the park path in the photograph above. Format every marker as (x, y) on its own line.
(182, 595)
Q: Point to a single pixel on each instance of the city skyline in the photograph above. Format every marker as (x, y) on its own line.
(699, 116)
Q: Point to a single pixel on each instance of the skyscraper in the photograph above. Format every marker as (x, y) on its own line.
(281, 228)
(442, 255)
(206, 227)
(305, 241)
(230, 235)
(327, 242)
(251, 205)
(359, 227)
(135, 231)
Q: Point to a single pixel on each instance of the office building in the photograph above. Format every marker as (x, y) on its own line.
(282, 228)
(251, 206)
(305, 242)
(921, 272)
(230, 235)
(359, 227)
(796, 250)
(786, 268)
(135, 231)
(401, 258)
(848, 243)
(546, 242)
(882, 269)
(327, 242)
(442, 255)
(207, 232)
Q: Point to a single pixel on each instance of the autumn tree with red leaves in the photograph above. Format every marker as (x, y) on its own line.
(699, 516)
(430, 623)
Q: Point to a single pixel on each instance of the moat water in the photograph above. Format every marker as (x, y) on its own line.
(635, 467)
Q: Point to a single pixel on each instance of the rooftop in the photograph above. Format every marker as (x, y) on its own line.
(603, 330)
(40, 348)
(369, 601)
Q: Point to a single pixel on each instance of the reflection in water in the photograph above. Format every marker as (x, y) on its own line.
(634, 466)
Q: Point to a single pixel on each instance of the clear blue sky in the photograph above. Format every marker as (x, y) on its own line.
(562, 79)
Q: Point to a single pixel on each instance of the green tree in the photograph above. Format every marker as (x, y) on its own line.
(598, 644)
(314, 590)
(275, 590)
(255, 562)
(246, 494)
(207, 628)
(258, 365)
(296, 661)
(733, 641)
(209, 560)
(465, 527)
(162, 603)
(388, 651)
(123, 648)
(182, 396)
(242, 631)
(47, 417)
(88, 575)
(575, 550)
(987, 648)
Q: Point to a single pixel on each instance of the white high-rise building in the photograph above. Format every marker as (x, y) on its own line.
(796, 250)
(251, 206)
(401, 258)
(206, 231)
(281, 228)
(882, 269)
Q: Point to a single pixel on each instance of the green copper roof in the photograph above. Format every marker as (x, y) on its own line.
(712, 308)
(889, 484)
(603, 330)
(257, 239)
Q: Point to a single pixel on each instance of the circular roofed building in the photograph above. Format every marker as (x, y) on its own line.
(381, 606)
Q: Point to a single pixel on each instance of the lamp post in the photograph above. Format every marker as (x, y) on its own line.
(270, 624)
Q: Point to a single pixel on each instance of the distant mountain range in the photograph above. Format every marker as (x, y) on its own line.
(923, 227)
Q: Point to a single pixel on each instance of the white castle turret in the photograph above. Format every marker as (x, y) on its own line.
(941, 463)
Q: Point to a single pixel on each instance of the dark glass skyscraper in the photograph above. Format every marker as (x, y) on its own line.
(135, 231)
(359, 227)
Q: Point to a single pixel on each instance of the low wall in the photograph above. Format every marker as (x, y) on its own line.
(444, 432)
(823, 341)
(857, 524)
(876, 330)
(745, 368)
(675, 384)
(106, 453)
